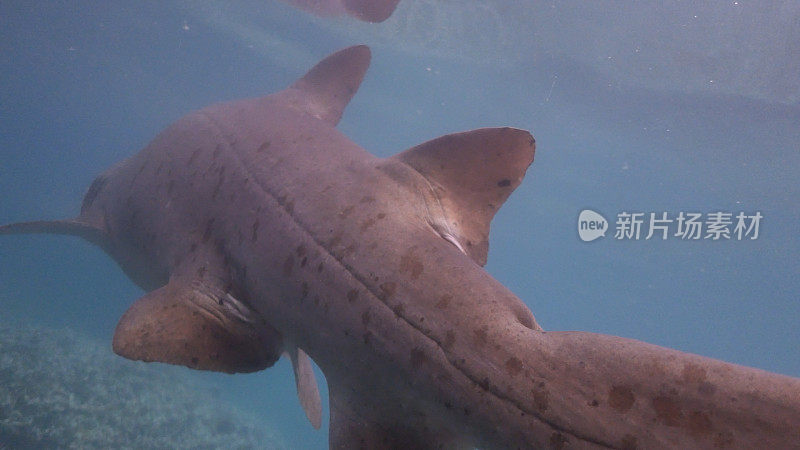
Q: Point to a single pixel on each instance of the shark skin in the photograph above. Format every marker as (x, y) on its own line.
(258, 230)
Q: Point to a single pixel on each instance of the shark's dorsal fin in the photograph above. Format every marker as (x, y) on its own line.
(192, 325)
(471, 175)
(307, 390)
(329, 86)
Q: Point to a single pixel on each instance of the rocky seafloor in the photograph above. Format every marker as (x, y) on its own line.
(59, 389)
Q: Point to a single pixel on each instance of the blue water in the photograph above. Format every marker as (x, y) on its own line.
(624, 119)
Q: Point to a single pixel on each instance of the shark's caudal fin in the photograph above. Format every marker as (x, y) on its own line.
(330, 85)
(472, 174)
(193, 325)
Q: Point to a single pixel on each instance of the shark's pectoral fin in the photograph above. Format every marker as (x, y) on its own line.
(199, 327)
(307, 389)
(328, 87)
(472, 174)
(71, 227)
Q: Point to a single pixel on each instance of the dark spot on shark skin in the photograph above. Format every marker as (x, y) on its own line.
(541, 400)
(514, 366)
(723, 440)
(444, 302)
(254, 237)
(706, 388)
(220, 181)
(263, 147)
(193, 247)
(481, 335)
(621, 398)
(217, 151)
(449, 340)
(365, 317)
(201, 272)
(505, 182)
(558, 440)
(301, 250)
(367, 335)
(195, 360)
(193, 156)
(352, 295)
(349, 250)
(289, 206)
(629, 442)
(693, 373)
(208, 230)
(304, 261)
(444, 378)
(320, 267)
(288, 265)
(368, 223)
(418, 358)
(387, 290)
(367, 199)
(399, 309)
(699, 424)
(667, 410)
(594, 403)
(346, 212)
(303, 291)
(411, 264)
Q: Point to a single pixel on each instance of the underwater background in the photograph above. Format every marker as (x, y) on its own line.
(652, 106)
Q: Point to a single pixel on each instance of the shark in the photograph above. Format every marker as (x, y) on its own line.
(258, 230)
(365, 10)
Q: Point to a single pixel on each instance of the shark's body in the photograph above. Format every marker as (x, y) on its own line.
(259, 229)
